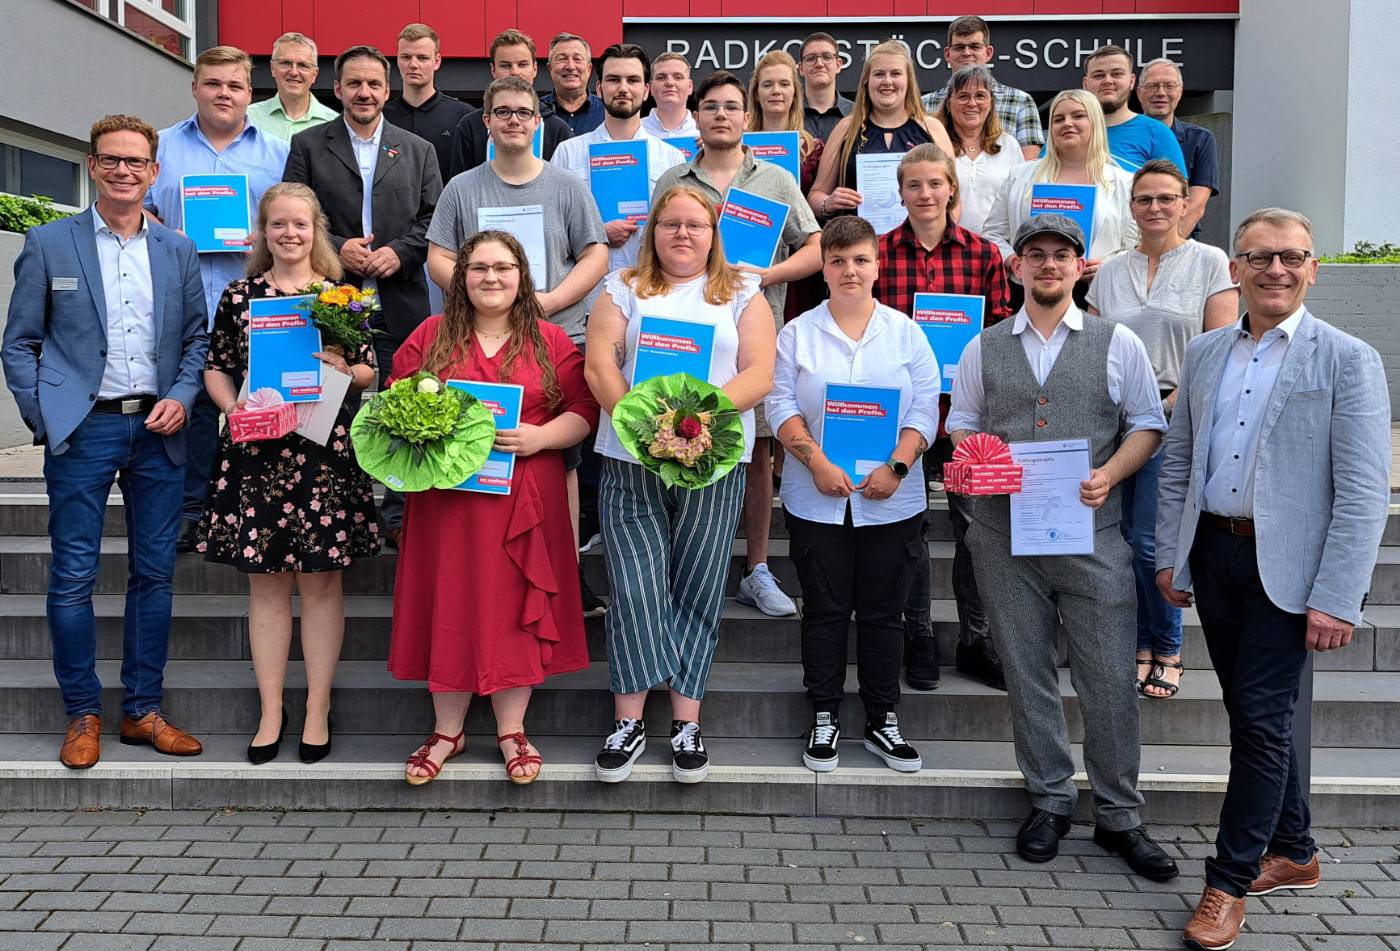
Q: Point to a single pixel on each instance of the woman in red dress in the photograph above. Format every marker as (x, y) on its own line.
(486, 598)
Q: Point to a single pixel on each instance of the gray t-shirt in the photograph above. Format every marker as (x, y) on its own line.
(1173, 311)
(569, 218)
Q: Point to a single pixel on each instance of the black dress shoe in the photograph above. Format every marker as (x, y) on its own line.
(921, 663)
(315, 752)
(186, 542)
(1040, 835)
(1142, 854)
(257, 755)
(979, 661)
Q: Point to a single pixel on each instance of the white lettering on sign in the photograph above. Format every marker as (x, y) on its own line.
(927, 54)
(1054, 52)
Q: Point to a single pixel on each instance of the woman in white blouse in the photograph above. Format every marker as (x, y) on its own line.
(1076, 154)
(984, 152)
(854, 534)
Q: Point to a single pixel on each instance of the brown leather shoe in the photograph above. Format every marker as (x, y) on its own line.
(82, 746)
(154, 729)
(1277, 872)
(1216, 922)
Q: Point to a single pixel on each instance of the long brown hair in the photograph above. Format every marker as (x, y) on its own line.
(454, 339)
(913, 106)
(795, 120)
(971, 77)
(324, 260)
(722, 281)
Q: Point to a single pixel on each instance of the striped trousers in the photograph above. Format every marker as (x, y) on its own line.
(667, 552)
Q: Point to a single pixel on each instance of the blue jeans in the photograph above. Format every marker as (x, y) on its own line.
(1159, 623)
(201, 446)
(101, 449)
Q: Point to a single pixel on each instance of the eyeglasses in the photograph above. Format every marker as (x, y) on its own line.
(1147, 201)
(671, 227)
(960, 48)
(500, 269)
(715, 108)
(812, 59)
(1160, 87)
(966, 98)
(110, 162)
(1062, 258)
(1290, 257)
(293, 64)
(505, 112)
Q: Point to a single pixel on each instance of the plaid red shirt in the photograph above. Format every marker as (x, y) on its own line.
(963, 263)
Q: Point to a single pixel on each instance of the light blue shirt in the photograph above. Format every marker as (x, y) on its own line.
(184, 150)
(1141, 138)
(893, 352)
(367, 157)
(1246, 384)
(131, 317)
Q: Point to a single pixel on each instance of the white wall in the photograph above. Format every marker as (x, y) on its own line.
(1373, 126)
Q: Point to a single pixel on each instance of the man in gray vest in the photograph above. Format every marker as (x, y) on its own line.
(1052, 373)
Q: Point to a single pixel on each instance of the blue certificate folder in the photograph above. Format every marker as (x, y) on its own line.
(216, 212)
(950, 321)
(687, 144)
(1075, 202)
(860, 427)
(666, 345)
(281, 341)
(783, 149)
(503, 400)
(751, 227)
(617, 176)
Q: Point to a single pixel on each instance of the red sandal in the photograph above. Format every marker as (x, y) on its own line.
(422, 757)
(520, 759)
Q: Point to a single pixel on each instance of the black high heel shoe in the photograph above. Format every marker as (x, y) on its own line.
(315, 752)
(257, 755)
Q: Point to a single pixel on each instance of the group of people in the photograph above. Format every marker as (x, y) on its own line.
(1265, 495)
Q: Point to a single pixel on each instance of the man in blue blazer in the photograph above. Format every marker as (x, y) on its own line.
(1273, 495)
(104, 350)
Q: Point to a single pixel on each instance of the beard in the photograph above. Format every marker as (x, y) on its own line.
(1116, 104)
(619, 111)
(1046, 297)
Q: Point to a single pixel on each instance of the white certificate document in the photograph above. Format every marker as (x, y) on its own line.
(878, 185)
(1047, 517)
(526, 224)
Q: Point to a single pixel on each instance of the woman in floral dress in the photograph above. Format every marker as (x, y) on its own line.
(288, 512)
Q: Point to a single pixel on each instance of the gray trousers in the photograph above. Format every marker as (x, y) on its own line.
(1094, 595)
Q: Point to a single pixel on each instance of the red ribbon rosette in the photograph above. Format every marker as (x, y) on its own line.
(982, 465)
(982, 447)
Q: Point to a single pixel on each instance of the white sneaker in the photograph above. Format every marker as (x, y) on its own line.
(760, 590)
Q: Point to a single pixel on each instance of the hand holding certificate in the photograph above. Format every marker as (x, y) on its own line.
(504, 401)
(1047, 515)
(878, 184)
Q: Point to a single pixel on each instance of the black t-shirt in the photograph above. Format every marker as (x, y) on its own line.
(435, 121)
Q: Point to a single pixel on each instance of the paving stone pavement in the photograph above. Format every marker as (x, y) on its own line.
(412, 881)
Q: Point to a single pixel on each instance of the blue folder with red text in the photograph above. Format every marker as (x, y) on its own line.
(281, 341)
(783, 149)
(750, 227)
(617, 176)
(1075, 202)
(666, 345)
(503, 400)
(950, 321)
(860, 427)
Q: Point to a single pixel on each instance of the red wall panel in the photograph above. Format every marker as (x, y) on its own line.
(910, 8)
(768, 8)
(954, 8)
(598, 21)
(460, 24)
(655, 8)
(861, 8)
(298, 16)
(252, 25)
(347, 23)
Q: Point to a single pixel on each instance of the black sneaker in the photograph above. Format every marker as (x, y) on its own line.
(188, 539)
(593, 606)
(884, 740)
(921, 663)
(620, 750)
(980, 662)
(821, 754)
(589, 533)
(689, 761)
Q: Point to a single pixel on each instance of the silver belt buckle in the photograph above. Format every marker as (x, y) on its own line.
(131, 406)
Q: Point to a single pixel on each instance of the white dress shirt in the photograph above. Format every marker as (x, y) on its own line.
(893, 352)
(367, 156)
(131, 320)
(980, 180)
(651, 124)
(1246, 384)
(1132, 385)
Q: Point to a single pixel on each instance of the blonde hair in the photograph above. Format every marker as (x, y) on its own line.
(324, 260)
(795, 120)
(928, 152)
(420, 31)
(225, 56)
(913, 107)
(645, 278)
(1097, 158)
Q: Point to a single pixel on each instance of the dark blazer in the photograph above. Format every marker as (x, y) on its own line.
(55, 345)
(407, 184)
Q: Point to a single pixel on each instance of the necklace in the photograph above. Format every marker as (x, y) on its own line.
(503, 333)
(973, 150)
(276, 286)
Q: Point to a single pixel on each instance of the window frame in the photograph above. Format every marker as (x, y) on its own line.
(30, 144)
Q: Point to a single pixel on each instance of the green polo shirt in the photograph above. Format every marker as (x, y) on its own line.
(270, 117)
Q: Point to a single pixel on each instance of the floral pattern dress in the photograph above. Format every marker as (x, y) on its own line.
(283, 504)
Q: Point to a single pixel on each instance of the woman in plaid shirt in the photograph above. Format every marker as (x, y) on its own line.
(930, 253)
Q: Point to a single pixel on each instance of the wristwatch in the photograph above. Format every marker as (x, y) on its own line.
(900, 469)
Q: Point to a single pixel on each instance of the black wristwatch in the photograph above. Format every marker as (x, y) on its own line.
(900, 469)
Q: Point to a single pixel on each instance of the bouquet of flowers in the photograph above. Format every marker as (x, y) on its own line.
(422, 434)
(684, 430)
(342, 312)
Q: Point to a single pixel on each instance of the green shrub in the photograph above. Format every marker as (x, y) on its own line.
(1366, 253)
(20, 214)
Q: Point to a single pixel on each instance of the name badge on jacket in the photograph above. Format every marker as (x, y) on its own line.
(64, 284)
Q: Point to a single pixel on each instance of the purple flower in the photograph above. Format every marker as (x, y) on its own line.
(356, 306)
(364, 325)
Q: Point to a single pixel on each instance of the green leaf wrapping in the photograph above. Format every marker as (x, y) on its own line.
(413, 441)
(633, 420)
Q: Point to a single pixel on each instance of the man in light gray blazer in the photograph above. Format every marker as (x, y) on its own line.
(1274, 491)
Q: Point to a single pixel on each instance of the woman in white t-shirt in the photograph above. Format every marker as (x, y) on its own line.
(668, 549)
(1166, 290)
(985, 154)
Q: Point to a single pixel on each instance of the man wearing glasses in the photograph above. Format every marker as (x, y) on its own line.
(294, 108)
(104, 353)
(970, 44)
(1159, 92)
(1272, 498)
(819, 62)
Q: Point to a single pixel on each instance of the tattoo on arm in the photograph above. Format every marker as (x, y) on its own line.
(802, 444)
(619, 354)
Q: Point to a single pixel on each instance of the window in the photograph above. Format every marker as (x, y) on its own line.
(29, 167)
(168, 24)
